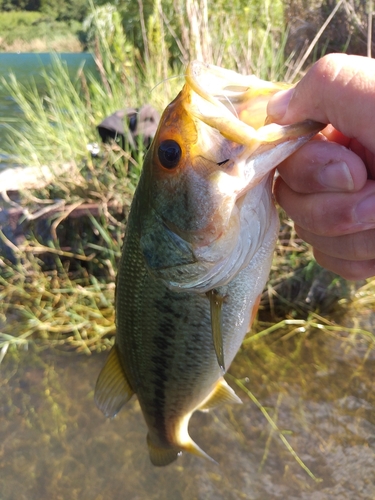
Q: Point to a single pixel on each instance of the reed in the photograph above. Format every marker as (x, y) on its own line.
(58, 307)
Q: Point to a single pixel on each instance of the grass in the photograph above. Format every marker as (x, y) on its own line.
(55, 130)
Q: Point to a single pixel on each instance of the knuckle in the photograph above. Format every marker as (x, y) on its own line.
(348, 269)
(364, 247)
(329, 66)
(355, 271)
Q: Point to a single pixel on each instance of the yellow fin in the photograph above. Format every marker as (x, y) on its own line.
(161, 456)
(194, 449)
(112, 389)
(221, 394)
(216, 304)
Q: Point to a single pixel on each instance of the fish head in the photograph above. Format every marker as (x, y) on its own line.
(204, 198)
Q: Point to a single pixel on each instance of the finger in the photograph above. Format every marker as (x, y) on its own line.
(329, 214)
(356, 246)
(348, 269)
(367, 156)
(334, 135)
(338, 89)
(323, 166)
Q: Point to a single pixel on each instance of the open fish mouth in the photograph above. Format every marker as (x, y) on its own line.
(235, 105)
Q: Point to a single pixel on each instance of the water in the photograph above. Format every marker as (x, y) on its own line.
(55, 444)
(28, 67)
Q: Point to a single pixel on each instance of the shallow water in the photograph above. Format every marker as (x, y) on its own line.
(55, 444)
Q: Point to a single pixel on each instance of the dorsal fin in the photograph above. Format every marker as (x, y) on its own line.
(112, 389)
(221, 394)
(216, 304)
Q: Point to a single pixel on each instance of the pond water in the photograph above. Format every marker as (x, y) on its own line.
(28, 67)
(55, 444)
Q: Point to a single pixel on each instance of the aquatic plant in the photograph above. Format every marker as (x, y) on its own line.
(59, 123)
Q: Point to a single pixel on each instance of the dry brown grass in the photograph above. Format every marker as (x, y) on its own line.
(63, 44)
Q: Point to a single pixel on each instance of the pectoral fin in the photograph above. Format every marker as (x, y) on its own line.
(112, 389)
(216, 304)
(221, 394)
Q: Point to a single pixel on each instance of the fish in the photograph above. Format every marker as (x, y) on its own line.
(197, 252)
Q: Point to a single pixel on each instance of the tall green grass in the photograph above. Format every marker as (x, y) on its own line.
(72, 305)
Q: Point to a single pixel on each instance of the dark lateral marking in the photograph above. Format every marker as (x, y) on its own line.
(162, 343)
(164, 307)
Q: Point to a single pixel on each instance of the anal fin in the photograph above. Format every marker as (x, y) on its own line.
(221, 394)
(112, 388)
(164, 456)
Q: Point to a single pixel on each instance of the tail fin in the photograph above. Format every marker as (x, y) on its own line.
(161, 456)
(164, 456)
(193, 448)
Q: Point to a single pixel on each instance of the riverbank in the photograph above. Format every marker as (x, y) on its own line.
(64, 43)
(35, 32)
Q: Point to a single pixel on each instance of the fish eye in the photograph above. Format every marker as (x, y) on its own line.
(169, 153)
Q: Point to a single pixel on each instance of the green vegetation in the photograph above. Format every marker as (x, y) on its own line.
(37, 32)
(58, 306)
(44, 25)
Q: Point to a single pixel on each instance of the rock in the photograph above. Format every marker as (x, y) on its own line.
(128, 125)
(22, 178)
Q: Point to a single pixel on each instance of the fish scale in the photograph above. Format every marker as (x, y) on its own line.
(197, 252)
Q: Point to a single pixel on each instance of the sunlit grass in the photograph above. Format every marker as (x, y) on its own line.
(56, 128)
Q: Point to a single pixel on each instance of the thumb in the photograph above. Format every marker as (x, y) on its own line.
(338, 89)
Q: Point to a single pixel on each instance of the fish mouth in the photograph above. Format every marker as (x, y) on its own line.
(225, 113)
(236, 106)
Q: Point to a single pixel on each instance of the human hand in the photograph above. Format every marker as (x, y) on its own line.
(328, 186)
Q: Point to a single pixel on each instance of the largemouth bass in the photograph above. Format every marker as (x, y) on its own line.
(197, 253)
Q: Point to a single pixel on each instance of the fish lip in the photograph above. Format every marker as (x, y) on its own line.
(232, 82)
(235, 89)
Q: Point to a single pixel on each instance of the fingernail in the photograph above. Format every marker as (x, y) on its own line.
(337, 176)
(278, 104)
(365, 210)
